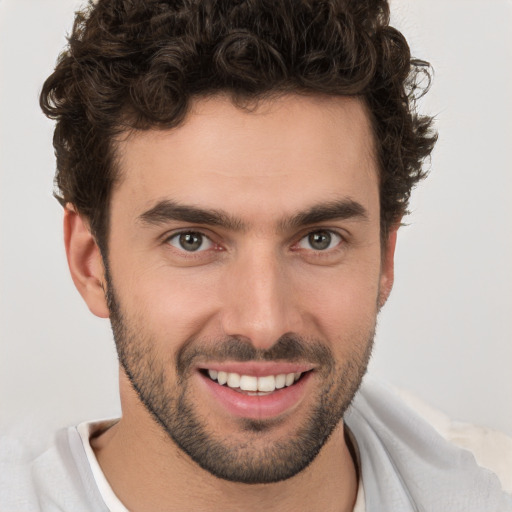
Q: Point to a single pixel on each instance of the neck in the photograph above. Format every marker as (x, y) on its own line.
(148, 472)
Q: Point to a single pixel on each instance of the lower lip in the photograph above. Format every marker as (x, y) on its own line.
(258, 407)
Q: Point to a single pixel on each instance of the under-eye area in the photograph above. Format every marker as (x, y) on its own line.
(252, 385)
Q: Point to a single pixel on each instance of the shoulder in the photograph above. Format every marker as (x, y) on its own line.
(46, 473)
(492, 449)
(412, 454)
(16, 489)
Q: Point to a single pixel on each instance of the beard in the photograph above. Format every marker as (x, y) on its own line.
(253, 459)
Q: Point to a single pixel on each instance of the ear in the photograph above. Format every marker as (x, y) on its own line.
(85, 262)
(387, 275)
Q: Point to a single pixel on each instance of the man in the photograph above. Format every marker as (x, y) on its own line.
(233, 177)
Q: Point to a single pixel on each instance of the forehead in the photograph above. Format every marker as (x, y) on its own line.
(280, 154)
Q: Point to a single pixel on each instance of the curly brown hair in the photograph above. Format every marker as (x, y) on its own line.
(136, 64)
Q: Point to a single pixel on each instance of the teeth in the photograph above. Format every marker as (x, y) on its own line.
(267, 383)
(280, 381)
(233, 380)
(254, 385)
(247, 383)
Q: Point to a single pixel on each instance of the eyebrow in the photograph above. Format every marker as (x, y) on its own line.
(342, 209)
(168, 210)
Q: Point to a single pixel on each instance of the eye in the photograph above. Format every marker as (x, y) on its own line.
(321, 240)
(190, 241)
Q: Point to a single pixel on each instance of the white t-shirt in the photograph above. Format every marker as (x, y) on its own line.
(86, 431)
(405, 464)
(491, 449)
(93, 428)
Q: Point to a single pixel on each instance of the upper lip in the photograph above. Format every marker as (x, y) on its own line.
(258, 368)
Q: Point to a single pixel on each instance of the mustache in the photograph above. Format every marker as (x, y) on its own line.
(289, 347)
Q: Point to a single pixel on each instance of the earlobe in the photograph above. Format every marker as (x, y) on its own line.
(387, 275)
(85, 262)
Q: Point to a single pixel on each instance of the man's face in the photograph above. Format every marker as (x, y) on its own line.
(245, 246)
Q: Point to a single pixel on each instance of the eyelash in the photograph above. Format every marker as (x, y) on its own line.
(176, 236)
(330, 250)
(333, 235)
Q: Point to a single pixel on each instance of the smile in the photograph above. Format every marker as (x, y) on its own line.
(253, 385)
(257, 390)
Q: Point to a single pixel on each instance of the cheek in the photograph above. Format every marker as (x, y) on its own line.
(342, 303)
(172, 304)
(175, 305)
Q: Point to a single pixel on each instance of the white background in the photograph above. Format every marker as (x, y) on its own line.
(446, 331)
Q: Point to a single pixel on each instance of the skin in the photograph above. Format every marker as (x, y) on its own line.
(262, 167)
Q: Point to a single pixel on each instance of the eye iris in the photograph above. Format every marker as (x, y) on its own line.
(191, 241)
(320, 240)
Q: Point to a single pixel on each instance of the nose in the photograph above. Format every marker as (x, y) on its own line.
(259, 303)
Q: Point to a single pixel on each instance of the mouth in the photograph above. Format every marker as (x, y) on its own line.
(252, 385)
(257, 391)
